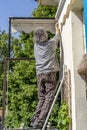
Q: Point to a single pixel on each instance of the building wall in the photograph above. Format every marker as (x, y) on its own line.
(79, 100)
(66, 39)
(73, 49)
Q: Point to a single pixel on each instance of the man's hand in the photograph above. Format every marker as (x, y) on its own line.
(57, 28)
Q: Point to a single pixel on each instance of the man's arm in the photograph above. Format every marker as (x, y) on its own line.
(57, 37)
(57, 28)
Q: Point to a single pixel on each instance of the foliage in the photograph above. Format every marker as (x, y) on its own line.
(3, 45)
(22, 90)
(54, 115)
(3, 54)
(45, 12)
(63, 117)
(60, 116)
(22, 94)
(23, 47)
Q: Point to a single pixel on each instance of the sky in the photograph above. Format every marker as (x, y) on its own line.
(15, 8)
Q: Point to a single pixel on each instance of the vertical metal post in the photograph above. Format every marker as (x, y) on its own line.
(85, 20)
(5, 76)
(9, 38)
(4, 92)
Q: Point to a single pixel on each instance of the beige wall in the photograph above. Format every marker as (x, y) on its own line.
(73, 48)
(79, 101)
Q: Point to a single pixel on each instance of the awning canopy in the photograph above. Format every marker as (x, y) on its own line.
(27, 25)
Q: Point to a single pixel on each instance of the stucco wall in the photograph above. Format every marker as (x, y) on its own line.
(66, 40)
(78, 84)
(73, 48)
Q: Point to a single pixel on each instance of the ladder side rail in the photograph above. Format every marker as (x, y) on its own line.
(55, 98)
(59, 83)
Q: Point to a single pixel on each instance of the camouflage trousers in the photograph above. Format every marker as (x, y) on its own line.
(46, 92)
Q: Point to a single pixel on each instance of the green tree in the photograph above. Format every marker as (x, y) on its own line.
(22, 88)
(45, 12)
(3, 54)
(64, 119)
(22, 93)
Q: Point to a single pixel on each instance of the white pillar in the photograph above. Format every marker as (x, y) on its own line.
(79, 101)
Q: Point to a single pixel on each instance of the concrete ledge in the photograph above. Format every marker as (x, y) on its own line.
(29, 24)
(48, 2)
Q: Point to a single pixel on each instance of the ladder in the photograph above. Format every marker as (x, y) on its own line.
(58, 86)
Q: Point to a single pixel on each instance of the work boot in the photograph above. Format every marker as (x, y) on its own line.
(37, 125)
(32, 122)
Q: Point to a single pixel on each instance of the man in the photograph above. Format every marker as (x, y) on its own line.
(47, 67)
